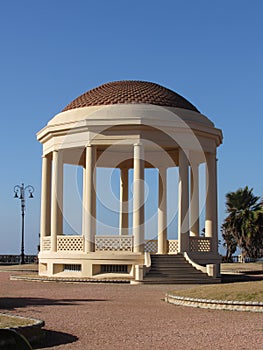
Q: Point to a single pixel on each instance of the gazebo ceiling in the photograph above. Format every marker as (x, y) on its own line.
(130, 91)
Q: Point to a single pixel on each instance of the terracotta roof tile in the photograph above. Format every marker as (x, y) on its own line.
(130, 91)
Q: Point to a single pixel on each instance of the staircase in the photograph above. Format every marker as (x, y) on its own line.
(174, 269)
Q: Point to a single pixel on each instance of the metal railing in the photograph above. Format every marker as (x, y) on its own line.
(15, 259)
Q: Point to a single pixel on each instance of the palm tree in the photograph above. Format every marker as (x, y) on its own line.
(230, 241)
(244, 223)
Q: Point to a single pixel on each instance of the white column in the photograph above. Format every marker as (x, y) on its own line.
(57, 199)
(183, 203)
(194, 204)
(84, 199)
(123, 220)
(138, 198)
(45, 198)
(162, 212)
(94, 194)
(89, 200)
(211, 199)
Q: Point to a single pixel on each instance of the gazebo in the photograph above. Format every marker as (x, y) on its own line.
(130, 125)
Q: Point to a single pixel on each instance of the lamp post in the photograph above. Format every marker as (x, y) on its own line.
(20, 194)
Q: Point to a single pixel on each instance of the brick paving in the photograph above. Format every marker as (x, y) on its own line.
(120, 316)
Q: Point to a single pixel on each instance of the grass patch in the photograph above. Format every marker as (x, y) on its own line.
(241, 291)
(238, 267)
(13, 321)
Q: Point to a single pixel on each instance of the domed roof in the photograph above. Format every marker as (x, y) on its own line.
(130, 91)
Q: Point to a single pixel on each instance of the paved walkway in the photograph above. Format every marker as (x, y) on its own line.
(95, 316)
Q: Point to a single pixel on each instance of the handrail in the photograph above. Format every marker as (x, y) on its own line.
(147, 259)
(195, 265)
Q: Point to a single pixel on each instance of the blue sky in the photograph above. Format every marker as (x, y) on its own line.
(52, 51)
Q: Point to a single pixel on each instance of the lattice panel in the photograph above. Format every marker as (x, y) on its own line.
(126, 244)
(173, 246)
(151, 246)
(213, 246)
(46, 244)
(116, 243)
(200, 244)
(70, 243)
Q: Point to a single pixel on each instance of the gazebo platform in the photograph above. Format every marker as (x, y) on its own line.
(114, 258)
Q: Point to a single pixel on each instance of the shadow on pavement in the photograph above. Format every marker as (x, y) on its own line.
(12, 303)
(231, 278)
(53, 338)
(12, 340)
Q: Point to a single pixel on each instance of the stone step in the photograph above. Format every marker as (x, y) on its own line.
(159, 262)
(172, 269)
(166, 265)
(174, 275)
(181, 281)
(172, 264)
(183, 276)
(175, 270)
(168, 258)
(178, 280)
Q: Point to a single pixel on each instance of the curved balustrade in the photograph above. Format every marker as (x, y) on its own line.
(70, 243)
(114, 243)
(200, 244)
(46, 243)
(124, 243)
(151, 246)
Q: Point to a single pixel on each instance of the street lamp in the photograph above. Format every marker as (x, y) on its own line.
(20, 194)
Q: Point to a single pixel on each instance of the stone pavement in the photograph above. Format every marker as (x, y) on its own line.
(121, 316)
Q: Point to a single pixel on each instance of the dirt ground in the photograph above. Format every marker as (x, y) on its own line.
(123, 316)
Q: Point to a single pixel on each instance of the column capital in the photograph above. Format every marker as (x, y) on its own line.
(194, 163)
(211, 153)
(46, 156)
(124, 169)
(185, 151)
